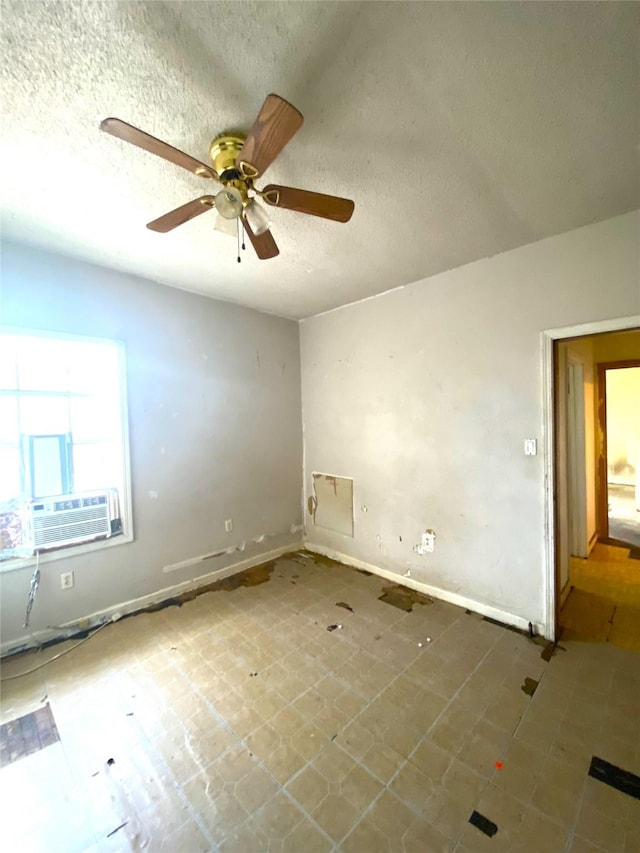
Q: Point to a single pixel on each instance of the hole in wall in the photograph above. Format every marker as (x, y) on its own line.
(331, 504)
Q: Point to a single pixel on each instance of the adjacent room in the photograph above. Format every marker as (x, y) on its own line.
(597, 426)
(320, 426)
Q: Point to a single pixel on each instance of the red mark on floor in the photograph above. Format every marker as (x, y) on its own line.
(499, 765)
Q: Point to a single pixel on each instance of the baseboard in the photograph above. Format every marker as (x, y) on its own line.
(116, 611)
(487, 610)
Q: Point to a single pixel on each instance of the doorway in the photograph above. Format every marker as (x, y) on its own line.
(585, 566)
(619, 460)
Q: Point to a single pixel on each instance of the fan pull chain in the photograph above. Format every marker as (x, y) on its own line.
(243, 245)
(238, 226)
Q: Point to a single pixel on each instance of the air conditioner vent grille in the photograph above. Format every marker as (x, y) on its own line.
(70, 518)
(61, 519)
(69, 533)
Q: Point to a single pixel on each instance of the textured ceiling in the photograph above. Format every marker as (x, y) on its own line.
(460, 130)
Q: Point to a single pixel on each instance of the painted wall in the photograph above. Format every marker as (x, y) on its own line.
(621, 346)
(214, 421)
(425, 394)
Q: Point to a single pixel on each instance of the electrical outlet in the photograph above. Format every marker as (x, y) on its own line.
(427, 543)
(66, 580)
(429, 540)
(228, 525)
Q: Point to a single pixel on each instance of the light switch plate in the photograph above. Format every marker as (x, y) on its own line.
(530, 447)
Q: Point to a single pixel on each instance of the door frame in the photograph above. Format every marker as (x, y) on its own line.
(576, 459)
(548, 338)
(602, 480)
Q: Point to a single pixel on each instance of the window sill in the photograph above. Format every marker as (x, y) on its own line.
(14, 563)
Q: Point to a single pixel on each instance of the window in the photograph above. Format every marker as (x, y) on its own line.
(62, 435)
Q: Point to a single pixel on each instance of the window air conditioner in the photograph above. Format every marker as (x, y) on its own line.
(69, 519)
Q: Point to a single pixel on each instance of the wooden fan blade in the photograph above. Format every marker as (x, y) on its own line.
(131, 134)
(276, 124)
(316, 204)
(182, 214)
(264, 244)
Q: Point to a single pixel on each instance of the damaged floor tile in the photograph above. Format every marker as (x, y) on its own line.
(250, 719)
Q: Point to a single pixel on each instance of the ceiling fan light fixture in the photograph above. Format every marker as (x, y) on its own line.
(257, 217)
(229, 203)
(226, 226)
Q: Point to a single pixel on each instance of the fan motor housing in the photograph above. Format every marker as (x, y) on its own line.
(224, 151)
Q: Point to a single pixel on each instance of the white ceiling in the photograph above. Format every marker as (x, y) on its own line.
(460, 130)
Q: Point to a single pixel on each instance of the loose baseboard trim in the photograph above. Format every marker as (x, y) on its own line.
(435, 592)
(116, 611)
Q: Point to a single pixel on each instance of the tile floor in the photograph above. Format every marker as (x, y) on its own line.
(239, 723)
(604, 603)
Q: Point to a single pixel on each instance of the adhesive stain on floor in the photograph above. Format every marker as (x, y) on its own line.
(529, 686)
(320, 559)
(403, 597)
(249, 577)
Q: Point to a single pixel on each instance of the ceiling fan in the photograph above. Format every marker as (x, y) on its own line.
(238, 160)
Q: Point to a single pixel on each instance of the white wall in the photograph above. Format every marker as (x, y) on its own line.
(214, 422)
(621, 346)
(425, 394)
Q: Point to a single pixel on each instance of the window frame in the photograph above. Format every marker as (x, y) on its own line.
(126, 505)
